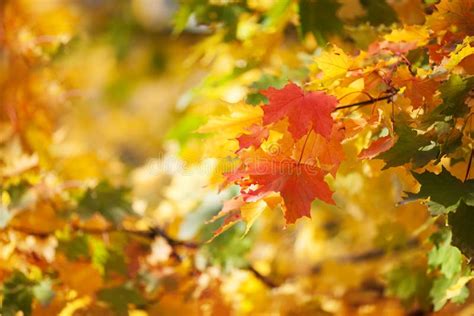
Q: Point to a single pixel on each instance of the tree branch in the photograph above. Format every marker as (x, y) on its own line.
(156, 231)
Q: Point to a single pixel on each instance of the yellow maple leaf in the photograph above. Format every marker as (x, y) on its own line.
(251, 211)
(333, 63)
(410, 33)
(462, 51)
(234, 123)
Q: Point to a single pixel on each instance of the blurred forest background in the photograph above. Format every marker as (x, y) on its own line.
(107, 189)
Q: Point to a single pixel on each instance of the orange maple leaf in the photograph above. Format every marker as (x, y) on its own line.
(376, 147)
(257, 135)
(421, 91)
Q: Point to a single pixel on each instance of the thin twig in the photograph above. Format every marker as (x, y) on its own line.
(353, 92)
(158, 231)
(376, 253)
(367, 102)
(265, 280)
(369, 255)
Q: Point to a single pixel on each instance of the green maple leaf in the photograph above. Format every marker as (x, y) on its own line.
(379, 12)
(107, 260)
(453, 93)
(17, 295)
(183, 130)
(444, 190)
(440, 288)
(277, 11)
(319, 17)
(43, 291)
(461, 223)
(444, 256)
(410, 147)
(207, 13)
(112, 203)
(410, 285)
(266, 81)
(74, 248)
(118, 298)
(448, 260)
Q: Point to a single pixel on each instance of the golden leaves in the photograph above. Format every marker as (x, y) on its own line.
(454, 16)
(81, 277)
(461, 52)
(334, 64)
(238, 118)
(410, 33)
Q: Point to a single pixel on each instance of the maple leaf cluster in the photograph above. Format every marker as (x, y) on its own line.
(295, 142)
(284, 168)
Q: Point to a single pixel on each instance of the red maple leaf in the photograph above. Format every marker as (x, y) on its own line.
(303, 110)
(378, 146)
(257, 135)
(299, 184)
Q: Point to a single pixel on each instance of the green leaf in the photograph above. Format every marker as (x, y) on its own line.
(17, 295)
(277, 11)
(112, 203)
(462, 296)
(440, 290)
(225, 14)
(100, 254)
(436, 209)
(118, 298)
(453, 93)
(119, 90)
(5, 216)
(17, 192)
(74, 248)
(410, 147)
(228, 250)
(108, 261)
(43, 291)
(254, 97)
(115, 264)
(379, 12)
(183, 130)
(410, 284)
(448, 259)
(461, 223)
(181, 17)
(444, 190)
(319, 17)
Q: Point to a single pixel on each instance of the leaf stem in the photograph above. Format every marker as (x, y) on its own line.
(304, 145)
(468, 166)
